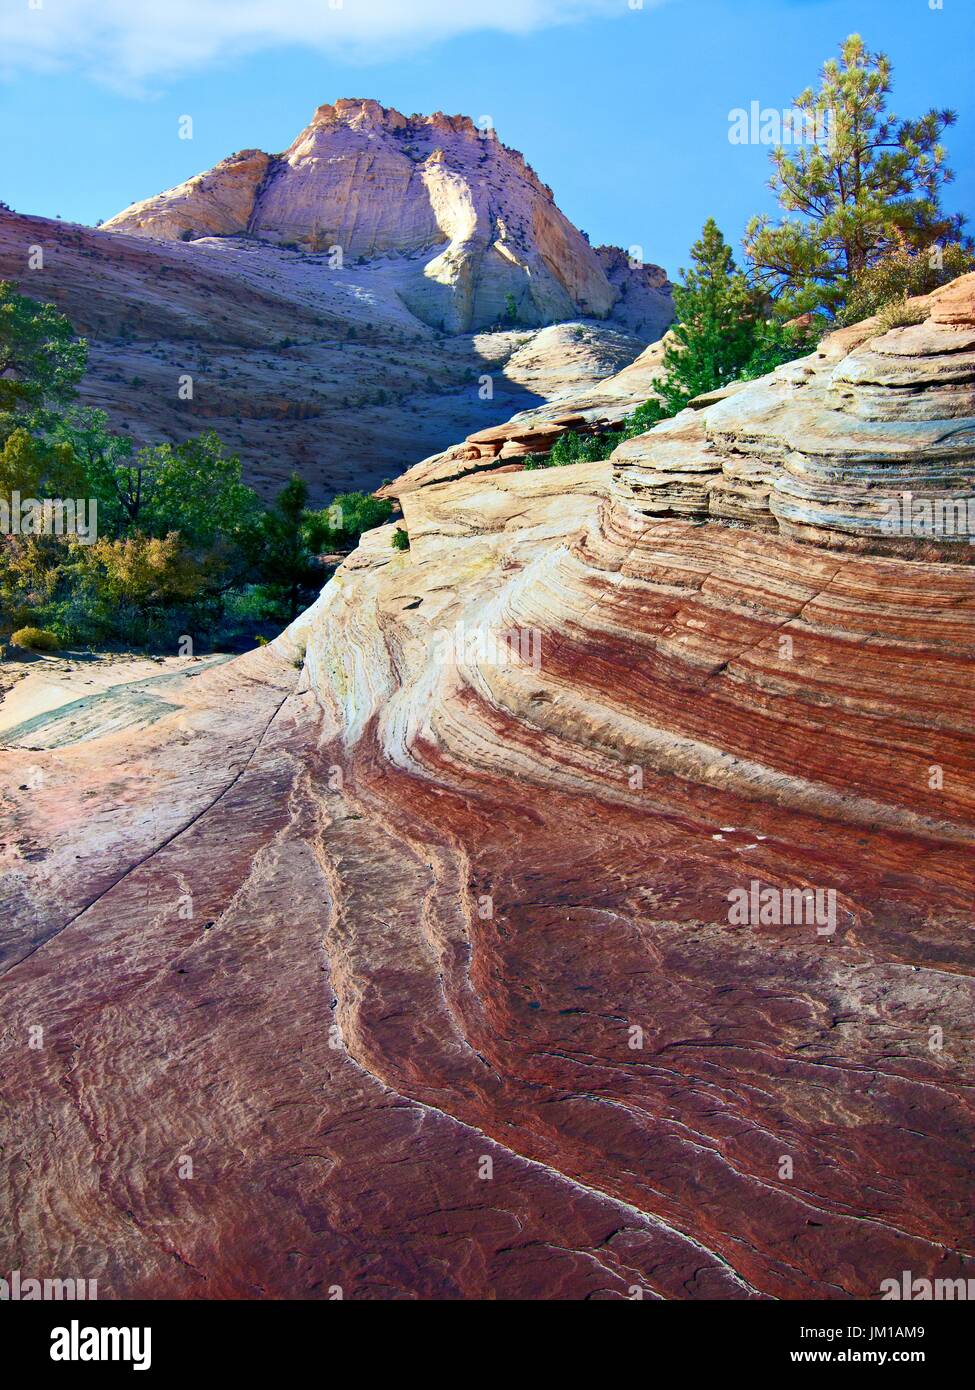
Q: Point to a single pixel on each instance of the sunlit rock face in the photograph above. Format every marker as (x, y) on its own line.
(486, 239)
(443, 943)
(871, 439)
(218, 202)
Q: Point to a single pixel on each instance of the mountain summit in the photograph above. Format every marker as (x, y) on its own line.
(480, 237)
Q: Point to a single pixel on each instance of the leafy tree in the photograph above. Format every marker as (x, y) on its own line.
(339, 526)
(107, 462)
(37, 469)
(194, 488)
(29, 577)
(145, 571)
(140, 588)
(869, 190)
(41, 360)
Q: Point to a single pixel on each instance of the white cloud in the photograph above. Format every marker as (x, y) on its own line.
(132, 42)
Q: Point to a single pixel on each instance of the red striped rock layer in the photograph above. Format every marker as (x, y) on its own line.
(423, 956)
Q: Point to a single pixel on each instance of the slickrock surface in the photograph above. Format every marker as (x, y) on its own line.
(53, 701)
(393, 963)
(597, 406)
(822, 447)
(478, 222)
(298, 365)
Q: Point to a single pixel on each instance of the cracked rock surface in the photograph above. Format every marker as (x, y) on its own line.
(400, 960)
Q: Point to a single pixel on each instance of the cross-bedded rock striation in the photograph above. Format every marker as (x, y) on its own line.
(411, 940)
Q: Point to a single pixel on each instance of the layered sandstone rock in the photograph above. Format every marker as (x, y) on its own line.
(399, 959)
(596, 407)
(481, 230)
(859, 443)
(218, 202)
(869, 442)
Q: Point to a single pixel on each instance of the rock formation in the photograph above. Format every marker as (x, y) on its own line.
(480, 231)
(867, 442)
(297, 366)
(400, 957)
(829, 447)
(338, 367)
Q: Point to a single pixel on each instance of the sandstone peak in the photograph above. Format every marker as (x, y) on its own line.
(488, 241)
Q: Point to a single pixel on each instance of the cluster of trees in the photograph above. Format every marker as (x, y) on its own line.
(862, 229)
(183, 546)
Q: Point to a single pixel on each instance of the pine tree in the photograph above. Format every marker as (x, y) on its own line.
(869, 188)
(287, 565)
(724, 332)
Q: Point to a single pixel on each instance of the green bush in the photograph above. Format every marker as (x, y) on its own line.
(339, 526)
(401, 540)
(904, 275)
(35, 639)
(899, 314)
(576, 448)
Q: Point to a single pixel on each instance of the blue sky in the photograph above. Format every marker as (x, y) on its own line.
(624, 112)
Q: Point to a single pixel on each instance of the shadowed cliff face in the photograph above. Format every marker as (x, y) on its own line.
(419, 935)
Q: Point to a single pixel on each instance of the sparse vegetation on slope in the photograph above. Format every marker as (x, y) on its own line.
(176, 550)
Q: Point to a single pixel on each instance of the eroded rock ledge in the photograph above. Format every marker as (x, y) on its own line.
(422, 954)
(870, 441)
